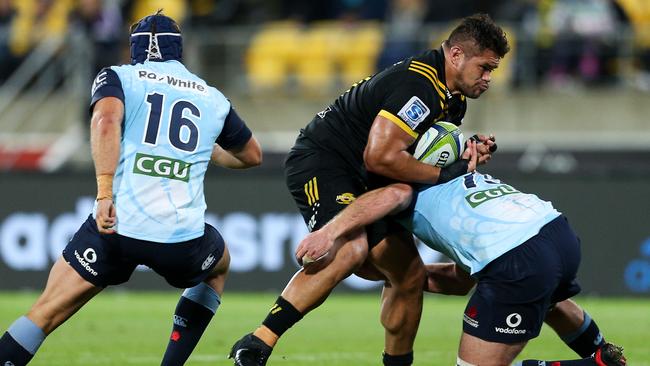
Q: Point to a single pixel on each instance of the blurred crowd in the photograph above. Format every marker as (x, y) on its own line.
(555, 42)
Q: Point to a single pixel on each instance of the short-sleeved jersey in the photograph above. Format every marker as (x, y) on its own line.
(475, 218)
(172, 119)
(412, 94)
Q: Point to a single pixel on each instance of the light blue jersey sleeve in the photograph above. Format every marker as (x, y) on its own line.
(475, 218)
(172, 119)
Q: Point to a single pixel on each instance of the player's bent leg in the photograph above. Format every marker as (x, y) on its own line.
(475, 351)
(310, 286)
(448, 279)
(194, 311)
(306, 290)
(575, 327)
(65, 293)
(397, 258)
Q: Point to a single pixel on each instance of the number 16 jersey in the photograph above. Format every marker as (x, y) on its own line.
(172, 119)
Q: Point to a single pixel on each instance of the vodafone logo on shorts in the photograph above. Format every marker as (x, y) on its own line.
(84, 260)
(90, 256)
(513, 320)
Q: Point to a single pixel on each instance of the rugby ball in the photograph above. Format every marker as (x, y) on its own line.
(440, 145)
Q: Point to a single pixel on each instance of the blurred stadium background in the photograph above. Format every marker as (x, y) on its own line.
(569, 106)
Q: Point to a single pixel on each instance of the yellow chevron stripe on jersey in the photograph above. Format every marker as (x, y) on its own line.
(396, 120)
(311, 191)
(431, 77)
(309, 200)
(432, 69)
(316, 189)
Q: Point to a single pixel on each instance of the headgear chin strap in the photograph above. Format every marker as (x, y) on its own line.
(156, 38)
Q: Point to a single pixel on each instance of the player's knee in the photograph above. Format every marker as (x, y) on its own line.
(355, 254)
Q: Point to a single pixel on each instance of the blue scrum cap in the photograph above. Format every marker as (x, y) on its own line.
(156, 38)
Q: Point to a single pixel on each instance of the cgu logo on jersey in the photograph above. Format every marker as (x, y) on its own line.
(480, 197)
(160, 166)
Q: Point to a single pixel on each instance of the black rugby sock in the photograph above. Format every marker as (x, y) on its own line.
(12, 353)
(399, 360)
(282, 316)
(190, 321)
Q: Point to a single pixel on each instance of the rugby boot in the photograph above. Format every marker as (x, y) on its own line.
(610, 355)
(250, 351)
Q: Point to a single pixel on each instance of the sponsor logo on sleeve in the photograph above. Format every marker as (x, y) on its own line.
(414, 112)
(100, 80)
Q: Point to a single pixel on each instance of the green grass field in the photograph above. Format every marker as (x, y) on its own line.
(128, 328)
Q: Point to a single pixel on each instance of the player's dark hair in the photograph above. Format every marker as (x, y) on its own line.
(480, 30)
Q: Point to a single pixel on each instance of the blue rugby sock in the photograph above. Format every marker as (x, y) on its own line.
(193, 313)
(20, 342)
(586, 340)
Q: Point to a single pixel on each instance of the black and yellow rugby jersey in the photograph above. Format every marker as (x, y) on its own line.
(412, 94)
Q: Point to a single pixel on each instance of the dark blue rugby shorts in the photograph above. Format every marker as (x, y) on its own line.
(105, 260)
(515, 291)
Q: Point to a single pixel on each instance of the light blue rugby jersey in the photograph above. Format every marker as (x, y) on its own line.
(475, 218)
(172, 119)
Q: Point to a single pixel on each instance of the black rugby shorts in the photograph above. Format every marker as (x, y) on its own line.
(322, 185)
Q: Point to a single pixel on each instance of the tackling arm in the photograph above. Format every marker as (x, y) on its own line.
(366, 209)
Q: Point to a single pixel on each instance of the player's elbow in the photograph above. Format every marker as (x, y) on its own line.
(104, 124)
(381, 164)
(254, 159)
(251, 154)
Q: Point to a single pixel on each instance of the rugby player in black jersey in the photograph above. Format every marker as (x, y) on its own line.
(364, 140)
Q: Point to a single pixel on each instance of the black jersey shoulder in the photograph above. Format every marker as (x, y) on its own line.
(431, 65)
